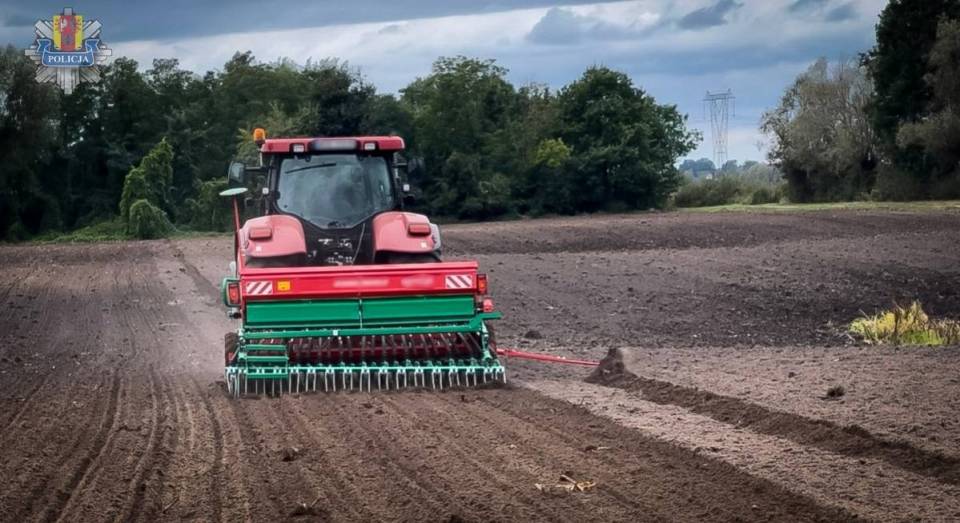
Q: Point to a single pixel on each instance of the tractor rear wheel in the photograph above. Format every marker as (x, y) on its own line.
(230, 342)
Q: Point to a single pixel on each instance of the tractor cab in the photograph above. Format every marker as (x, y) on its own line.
(340, 192)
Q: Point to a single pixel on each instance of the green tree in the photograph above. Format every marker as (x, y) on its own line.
(938, 133)
(624, 144)
(552, 179)
(148, 181)
(457, 111)
(905, 35)
(28, 142)
(340, 98)
(148, 221)
(821, 133)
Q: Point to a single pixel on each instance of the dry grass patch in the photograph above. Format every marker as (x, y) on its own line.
(906, 326)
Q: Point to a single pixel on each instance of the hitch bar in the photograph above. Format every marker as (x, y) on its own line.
(547, 358)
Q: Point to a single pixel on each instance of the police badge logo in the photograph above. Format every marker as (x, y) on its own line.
(68, 50)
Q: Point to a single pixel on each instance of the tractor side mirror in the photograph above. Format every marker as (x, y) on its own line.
(233, 191)
(236, 173)
(415, 164)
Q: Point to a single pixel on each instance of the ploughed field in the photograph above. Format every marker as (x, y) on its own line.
(729, 330)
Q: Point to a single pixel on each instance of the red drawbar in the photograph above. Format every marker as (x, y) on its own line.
(547, 358)
(358, 280)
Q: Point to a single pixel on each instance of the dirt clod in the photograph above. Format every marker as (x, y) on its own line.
(836, 391)
(289, 453)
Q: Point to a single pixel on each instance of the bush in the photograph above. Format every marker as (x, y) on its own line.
(209, 211)
(896, 185)
(134, 189)
(727, 190)
(148, 181)
(147, 221)
(103, 230)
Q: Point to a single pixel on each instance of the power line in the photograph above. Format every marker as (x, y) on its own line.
(721, 106)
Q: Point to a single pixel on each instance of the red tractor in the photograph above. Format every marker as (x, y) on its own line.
(336, 286)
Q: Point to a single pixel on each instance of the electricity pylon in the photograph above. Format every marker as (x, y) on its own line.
(721, 106)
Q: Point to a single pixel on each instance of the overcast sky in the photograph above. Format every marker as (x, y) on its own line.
(674, 49)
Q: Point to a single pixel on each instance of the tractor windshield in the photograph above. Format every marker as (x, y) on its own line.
(334, 190)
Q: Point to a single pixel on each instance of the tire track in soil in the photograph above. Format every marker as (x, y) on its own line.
(41, 326)
(9, 311)
(853, 441)
(24, 403)
(615, 496)
(629, 455)
(234, 481)
(92, 471)
(55, 499)
(85, 475)
(215, 474)
(89, 474)
(158, 453)
(335, 504)
(109, 412)
(463, 454)
(868, 489)
(140, 484)
(392, 465)
(253, 463)
(213, 458)
(286, 487)
(326, 443)
(601, 460)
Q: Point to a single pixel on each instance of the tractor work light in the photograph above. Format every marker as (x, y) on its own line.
(298, 148)
(419, 229)
(261, 233)
(370, 146)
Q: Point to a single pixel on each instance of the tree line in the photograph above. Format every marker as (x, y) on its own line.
(151, 146)
(884, 126)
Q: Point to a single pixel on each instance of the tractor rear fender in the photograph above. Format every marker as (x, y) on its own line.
(272, 236)
(404, 232)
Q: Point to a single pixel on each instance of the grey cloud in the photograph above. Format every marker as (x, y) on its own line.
(562, 26)
(19, 20)
(803, 5)
(124, 20)
(709, 16)
(558, 26)
(842, 13)
(639, 60)
(390, 29)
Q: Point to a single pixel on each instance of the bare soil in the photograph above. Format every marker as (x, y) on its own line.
(112, 402)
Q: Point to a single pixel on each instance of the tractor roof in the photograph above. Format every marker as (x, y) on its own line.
(331, 144)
